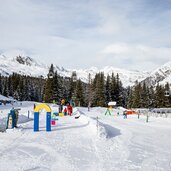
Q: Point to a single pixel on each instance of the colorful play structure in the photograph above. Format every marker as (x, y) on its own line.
(51, 118)
(48, 117)
(131, 112)
(110, 106)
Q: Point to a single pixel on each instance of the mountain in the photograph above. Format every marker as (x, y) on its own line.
(26, 65)
(127, 77)
(161, 75)
(21, 65)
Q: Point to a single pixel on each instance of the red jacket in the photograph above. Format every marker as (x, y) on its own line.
(65, 110)
(69, 108)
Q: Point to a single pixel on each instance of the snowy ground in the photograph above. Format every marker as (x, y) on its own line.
(111, 144)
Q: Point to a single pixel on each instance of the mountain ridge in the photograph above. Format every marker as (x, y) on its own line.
(26, 65)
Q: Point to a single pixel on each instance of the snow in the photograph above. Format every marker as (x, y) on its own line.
(161, 75)
(4, 98)
(93, 142)
(10, 65)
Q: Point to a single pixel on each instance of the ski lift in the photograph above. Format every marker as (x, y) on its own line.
(74, 76)
(50, 75)
(166, 94)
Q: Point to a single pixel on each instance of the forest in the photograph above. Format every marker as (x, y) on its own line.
(97, 91)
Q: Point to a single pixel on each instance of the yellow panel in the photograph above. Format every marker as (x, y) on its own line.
(61, 114)
(42, 106)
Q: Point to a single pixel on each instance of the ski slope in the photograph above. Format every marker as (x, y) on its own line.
(110, 143)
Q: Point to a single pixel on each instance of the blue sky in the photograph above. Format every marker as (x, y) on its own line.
(132, 34)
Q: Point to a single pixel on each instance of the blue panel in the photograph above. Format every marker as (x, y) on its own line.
(36, 121)
(12, 113)
(48, 121)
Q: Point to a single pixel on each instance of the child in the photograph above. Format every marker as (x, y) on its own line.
(69, 110)
(65, 111)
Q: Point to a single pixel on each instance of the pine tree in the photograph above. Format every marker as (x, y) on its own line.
(0, 84)
(167, 99)
(144, 96)
(159, 96)
(10, 86)
(72, 89)
(113, 87)
(122, 95)
(137, 96)
(117, 89)
(108, 90)
(99, 90)
(55, 87)
(48, 94)
(129, 97)
(79, 93)
(21, 88)
(151, 97)
(6, 91)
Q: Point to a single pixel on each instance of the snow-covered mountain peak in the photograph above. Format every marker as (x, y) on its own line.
(93, 69)
(25, 60)
(160, 75)
(28, 66)
(21, 65)
(25, 65)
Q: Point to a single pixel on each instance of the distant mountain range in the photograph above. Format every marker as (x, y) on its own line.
(28, 66)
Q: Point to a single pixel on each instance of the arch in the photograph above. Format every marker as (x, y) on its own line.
(42, 106)
(48, 116)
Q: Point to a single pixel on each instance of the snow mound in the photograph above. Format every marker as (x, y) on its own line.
(23, 119)
(102, 130)
(3, 123)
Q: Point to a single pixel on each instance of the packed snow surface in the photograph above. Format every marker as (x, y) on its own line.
(93, 142)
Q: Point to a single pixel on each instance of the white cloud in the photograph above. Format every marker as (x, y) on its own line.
(140, 52)
(139, 56)
(60, 31)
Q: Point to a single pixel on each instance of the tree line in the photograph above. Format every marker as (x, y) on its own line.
(97, 92)
(142, 96)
